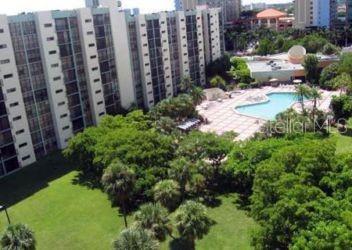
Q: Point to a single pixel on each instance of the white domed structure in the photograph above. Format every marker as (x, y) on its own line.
(297, 54)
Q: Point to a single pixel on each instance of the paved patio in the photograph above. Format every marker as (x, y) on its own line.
(223, 118)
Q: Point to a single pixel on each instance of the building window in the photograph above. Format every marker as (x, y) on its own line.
(55, 65)
(17, 118)
(98, 91)
(97, 80)
(11, 90)
(95, 69)
(102, 113)
(48, 25)
(52, 52)
(93, 57)
(8, 76)
(50, 39)
(13, 104)
(63, 116)
(5, 61)
(22, 145)
(66, 128)
(89, 33)
(88, 20)
(20, 132)
(61, 104)
(58, 91)
(26, 157)
(57, 78)
(1, 30)
(100, 103)
(3, 46)
(91, 45)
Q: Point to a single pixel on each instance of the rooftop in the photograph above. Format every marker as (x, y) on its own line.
(271, 13)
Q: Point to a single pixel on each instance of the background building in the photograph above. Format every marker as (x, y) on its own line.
(272, 19)
(315, 13)
(62, 71)
(231, 9)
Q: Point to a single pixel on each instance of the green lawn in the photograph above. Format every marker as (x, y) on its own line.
(232, 229)
(62, 214)
(66, 215)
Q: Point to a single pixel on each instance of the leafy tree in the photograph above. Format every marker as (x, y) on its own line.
(311, 67)
(153, 217)
(219, 66)
(266, 47)
(343, 81)
(192, 222)
(332, 235)
(186, 84)
(118, 181)
(135, 239)
(18, 237)
(177, 108)
(342, 106)
(197, 146)
(239, 70)
(218, 82)
(330, 49)
(346, 63)
(167, 192)
(327, 75)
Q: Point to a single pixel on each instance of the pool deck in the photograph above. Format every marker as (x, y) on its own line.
(223, 118)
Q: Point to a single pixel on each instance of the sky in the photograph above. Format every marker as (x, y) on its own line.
(12, 7)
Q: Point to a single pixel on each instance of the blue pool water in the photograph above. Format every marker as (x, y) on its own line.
(278, 102)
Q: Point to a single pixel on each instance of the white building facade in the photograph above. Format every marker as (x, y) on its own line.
(62, 71)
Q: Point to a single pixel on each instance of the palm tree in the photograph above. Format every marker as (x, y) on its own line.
(192, 221)
(186, 84)
(135, 239)
(198, 95)
(315, 95)
(118, 181)
(153, 217)
(181, 170)
(167, 192)
(302, 92)
(18, 236)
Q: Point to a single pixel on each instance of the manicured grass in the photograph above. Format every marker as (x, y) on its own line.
(67, 215)
(232, 228)
(343, 144)
(62, 214)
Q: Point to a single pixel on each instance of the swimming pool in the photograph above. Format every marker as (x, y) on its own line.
(276, 103)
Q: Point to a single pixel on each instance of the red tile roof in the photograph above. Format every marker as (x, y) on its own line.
(271, 13)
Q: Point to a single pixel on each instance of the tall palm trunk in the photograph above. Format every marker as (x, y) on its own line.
(124, 213)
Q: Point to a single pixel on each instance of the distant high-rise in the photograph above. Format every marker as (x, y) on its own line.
(231, 9)
(315, 13)
(349, 12)
(186, 4)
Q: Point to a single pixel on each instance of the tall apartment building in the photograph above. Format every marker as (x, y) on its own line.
(231, 9)
(349, 12)
(62, 71)
(315, 13)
